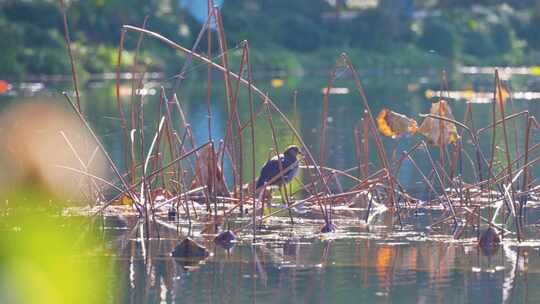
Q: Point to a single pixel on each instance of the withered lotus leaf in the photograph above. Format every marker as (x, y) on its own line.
(208, 172)
(393, 124)
(438, 131)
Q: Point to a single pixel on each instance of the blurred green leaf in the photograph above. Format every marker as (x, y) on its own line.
(46, 257)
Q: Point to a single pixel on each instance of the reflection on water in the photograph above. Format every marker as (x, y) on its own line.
(287, 265)
(361, 263)
(506, 72)
(481, 97)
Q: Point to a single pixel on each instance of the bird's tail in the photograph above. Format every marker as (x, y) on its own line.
(260, 183)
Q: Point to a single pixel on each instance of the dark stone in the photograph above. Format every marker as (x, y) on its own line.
(289, 248)
(115, 221)
(225, 239)
(329, 227)
(489, 241)
(489, 251)
(171, 214)
(188, 248)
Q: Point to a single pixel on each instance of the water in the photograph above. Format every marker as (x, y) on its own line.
(295, 265)
(382, 262)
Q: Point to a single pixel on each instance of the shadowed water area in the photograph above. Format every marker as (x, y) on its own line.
(371, 258)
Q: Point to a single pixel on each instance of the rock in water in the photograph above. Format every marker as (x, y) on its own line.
(188, 248)
(329, 227)
(489, 238)
(225, 238)
(489, 241)
(171, 213)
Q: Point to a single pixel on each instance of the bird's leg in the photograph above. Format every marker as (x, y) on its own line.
(257, 200)
(264, 195)
(286, 199)
(262, 198)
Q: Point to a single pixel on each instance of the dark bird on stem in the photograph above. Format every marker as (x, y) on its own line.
(288, 162)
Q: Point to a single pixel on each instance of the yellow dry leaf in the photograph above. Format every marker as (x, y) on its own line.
(124, 200)
(438, 131)
(393, 124)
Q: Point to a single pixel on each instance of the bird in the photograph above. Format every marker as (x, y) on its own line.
(272, 168)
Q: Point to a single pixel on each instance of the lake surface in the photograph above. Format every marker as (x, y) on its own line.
(382, 262)
(286, 264)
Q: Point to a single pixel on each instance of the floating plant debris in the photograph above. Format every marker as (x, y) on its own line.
(225, 238)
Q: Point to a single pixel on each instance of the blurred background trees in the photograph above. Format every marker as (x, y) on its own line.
(426, 32)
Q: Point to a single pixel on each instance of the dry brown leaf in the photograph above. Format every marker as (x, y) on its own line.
(204, 170)
(438, 131)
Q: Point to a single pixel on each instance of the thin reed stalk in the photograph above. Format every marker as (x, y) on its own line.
(67, 37)
(380, 149)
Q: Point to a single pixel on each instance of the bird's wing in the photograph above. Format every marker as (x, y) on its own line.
(268, 171)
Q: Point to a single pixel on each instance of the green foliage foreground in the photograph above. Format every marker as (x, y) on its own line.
(46, 257)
